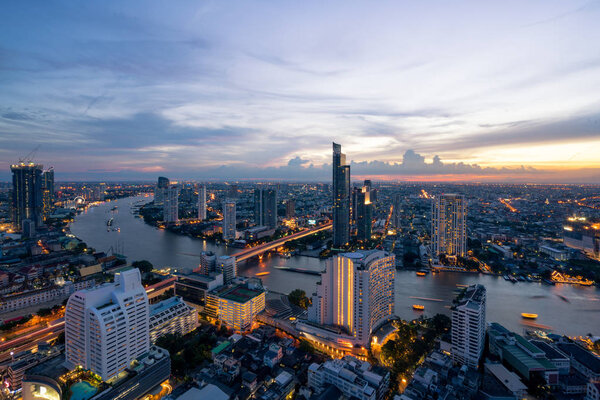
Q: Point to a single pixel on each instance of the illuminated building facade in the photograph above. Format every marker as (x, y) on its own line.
(26, 194)
(227, 266)
(159, 192)
(265, 207)
(229, 219)
(202, 202)
(341, 197)
(236, 305)
(583, 235)
(356, 292)
(47, 192)
(468, 326)
(449, 225)
(171, 204)
(172, 316)
(107, 327)
(363, 211)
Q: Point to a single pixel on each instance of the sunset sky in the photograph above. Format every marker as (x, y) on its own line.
(413, 90)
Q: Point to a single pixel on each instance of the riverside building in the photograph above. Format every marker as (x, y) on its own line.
(468, 326)
(449, 225)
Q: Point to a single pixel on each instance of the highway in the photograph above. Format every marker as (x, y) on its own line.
(255, 251)
(30, 340)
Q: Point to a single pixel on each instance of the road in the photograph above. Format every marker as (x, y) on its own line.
(255, 251)
(29, 341)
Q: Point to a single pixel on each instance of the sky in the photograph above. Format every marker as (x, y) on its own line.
(413, 90)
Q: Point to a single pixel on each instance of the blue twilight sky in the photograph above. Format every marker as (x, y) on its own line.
(431, 90)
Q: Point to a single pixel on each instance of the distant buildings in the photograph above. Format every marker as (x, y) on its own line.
(171, 203)
(202, 202)
(229, 219)
(363, 211)
(354, 378)
(106, 328)
(236, 305)
(47, 192)
(448, 228)
(580, 234)
(290, 208)
(356, 293)
(468, 326)
(159, 191)
(27, 201)
(265, 207)
(341, 197)
(171, 316)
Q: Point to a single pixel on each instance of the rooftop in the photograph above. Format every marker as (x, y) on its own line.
(238, 293)
(581, 355)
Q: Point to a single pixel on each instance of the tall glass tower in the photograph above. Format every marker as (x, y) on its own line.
(27, 193)
(341, 197)
(265, 207)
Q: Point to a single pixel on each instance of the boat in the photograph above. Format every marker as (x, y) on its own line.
(422, 272)
(528, 278)
(529, 315)
(418, 307)
(109, 222)
(506, 278)
(520, 278)
(548, 282)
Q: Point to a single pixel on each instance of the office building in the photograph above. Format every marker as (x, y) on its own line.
(229, 220)
(363, 211)
(107, 327)
(208, 263)
(160, 189)
(356, 293)
(354, 378)
(580, 234)
(26, 194)
(227, 266)
(194, 287)
(236, 305)
(397, 211)
(265, 207)
(449, 225)
(47, 192)
(171, 204)
(290, 208)
(171, 316)
(48, 379)
(341, 198)
(201, 202)
(468, 326)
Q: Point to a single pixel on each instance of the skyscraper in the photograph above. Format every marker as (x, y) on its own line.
(265, 207)
(448, 228)
(47, 191)
(159, 191)
(202, 202)
(341, 197)
(229, 219)
(363, 211)
(468, 326)
(107, 327)
(227, 266)
(171, 203)
(26, 193)
(290, 208)
(356, 292)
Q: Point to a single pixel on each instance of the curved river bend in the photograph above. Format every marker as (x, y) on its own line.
(571, 310)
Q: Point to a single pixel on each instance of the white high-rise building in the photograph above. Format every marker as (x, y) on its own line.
(356, 292)
(449, 225)
(171, 203)
(227, 266)
(229, 219)
(468, 326)
(202, 202)
(107, 327)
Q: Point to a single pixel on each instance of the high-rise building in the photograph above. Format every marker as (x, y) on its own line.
(227, 266)
(229, 219)
(468, 326)
(449, 225)
(356, 292)
(290, 208)
(208, 262)
(26, 193)
(47, 192)
(202, 202)
(265, 207)
(341, 197)
(171, 203)
(397, 211)
(172, 316)
(107, 327)
(363, 211)
(236, 305)
(159, 192)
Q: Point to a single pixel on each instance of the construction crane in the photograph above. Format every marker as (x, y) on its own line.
(29, 157)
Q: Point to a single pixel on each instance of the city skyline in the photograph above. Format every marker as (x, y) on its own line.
(472, 92)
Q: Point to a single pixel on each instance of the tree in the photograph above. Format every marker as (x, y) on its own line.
(143, 265)
(298, 298)
(44, 312)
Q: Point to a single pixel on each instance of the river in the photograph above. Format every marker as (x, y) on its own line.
(567, 309)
